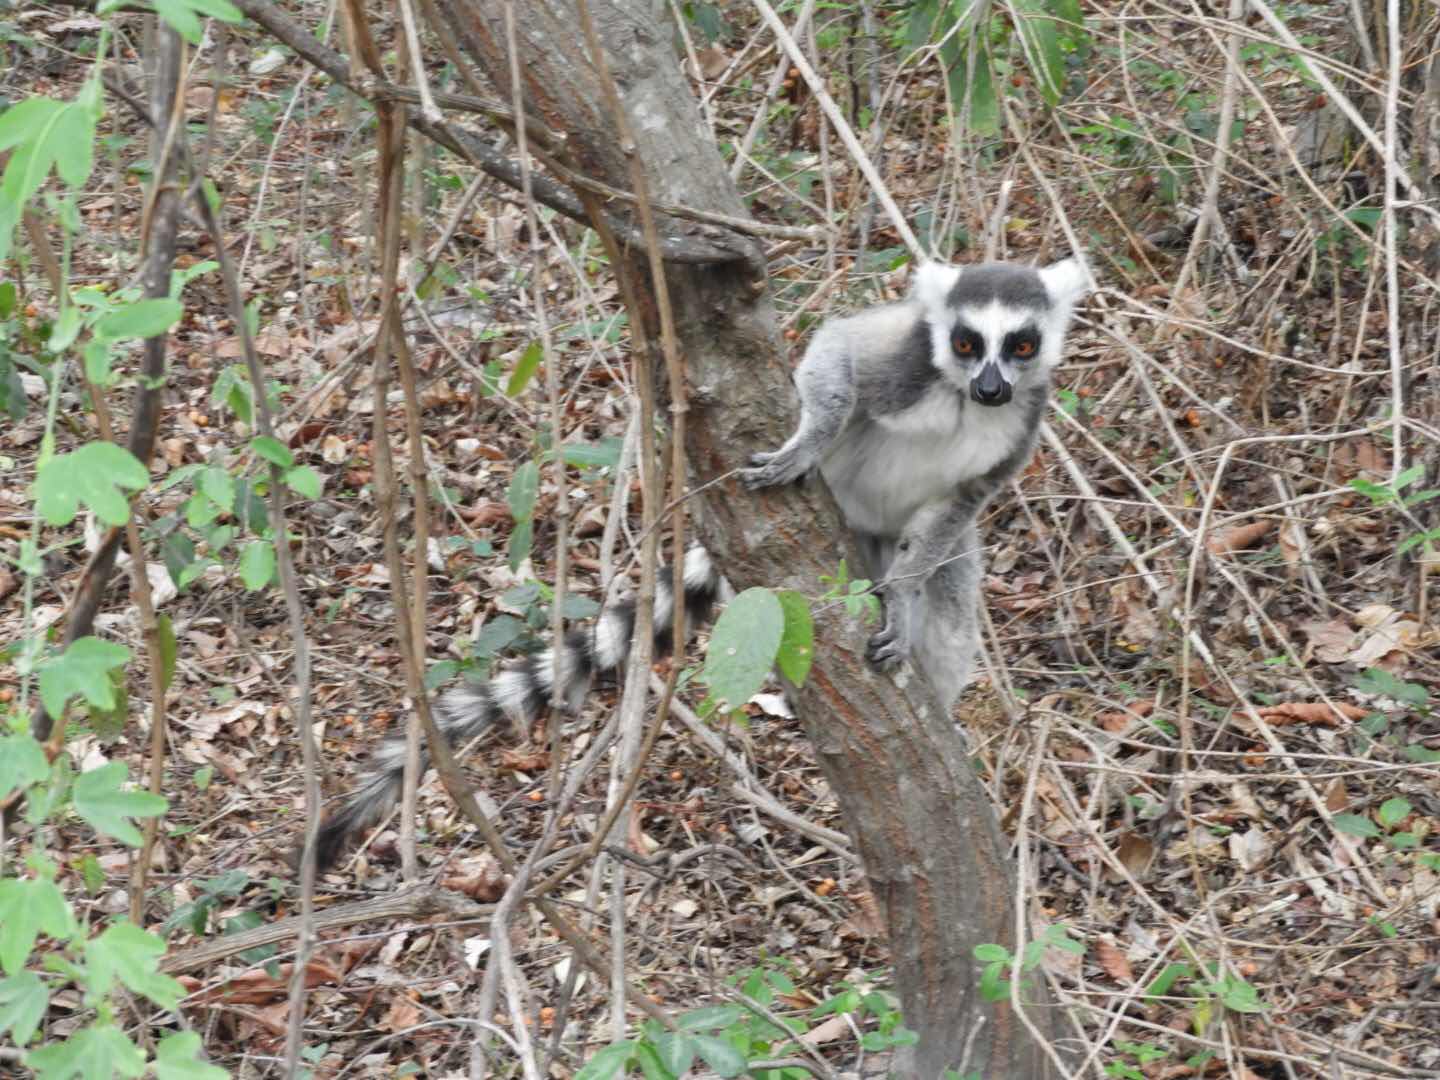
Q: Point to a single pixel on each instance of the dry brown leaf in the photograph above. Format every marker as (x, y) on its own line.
(1336, 797)
(1118, 720)
(1135, 852)
(260, 988)
(1113, 961)
(1236, 537)
(480, 878)
(1312, 712)
(1330, 639)
(402, 1014)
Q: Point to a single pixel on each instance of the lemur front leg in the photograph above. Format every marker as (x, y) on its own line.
(826, 382)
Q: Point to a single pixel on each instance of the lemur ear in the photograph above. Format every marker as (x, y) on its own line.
(933, 282)
(1067, 280)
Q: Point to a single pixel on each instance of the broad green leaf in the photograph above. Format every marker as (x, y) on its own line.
(257, 564)
(304, 481)
(218, 9)
(495, 635)
(97, 357)
(720, 1055)
(1356, 825)
(93, 475)
(142, 319)
(525, 368)
(608, 1063)
(179, 1057)
(180, 17)
(676, 1051)
(602, 454)
(101, 799)
(28, 120)
(1393, 811)
(743, 644)
(73, 137)
(28, 908)
(272, 450)
(522, 537)
(83, 668)
(523, 490)
(991, 953)
(651, 1067)
(797, 644)
(219, 487)
(1041, 42)
(66, 329)
(22, 763)
(97, 1052)
(23, 1001)
(709, 1017)
(132, 955)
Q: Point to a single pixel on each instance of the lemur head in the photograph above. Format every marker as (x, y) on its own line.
(997, 326)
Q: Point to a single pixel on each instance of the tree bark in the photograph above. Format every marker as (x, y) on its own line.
(933, 852)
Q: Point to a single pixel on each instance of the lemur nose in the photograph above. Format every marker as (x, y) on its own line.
(989, 386)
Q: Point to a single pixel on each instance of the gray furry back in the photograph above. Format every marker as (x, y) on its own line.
(520, 693)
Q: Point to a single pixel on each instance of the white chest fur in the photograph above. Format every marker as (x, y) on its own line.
(883, 470)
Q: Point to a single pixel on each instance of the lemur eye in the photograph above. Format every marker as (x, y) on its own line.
(964, 346)
(1024, 348)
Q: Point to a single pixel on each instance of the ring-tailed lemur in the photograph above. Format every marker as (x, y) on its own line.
(916, 413)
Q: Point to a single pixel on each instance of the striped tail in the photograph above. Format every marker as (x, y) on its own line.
(521, 693)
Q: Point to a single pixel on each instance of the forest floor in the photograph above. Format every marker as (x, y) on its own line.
(1208, 710)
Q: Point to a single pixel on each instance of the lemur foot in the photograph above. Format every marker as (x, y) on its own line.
(771, 469)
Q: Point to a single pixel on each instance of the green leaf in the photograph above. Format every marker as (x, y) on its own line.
(709, 1018)
(93, 475)
(1393, 812)
(132, 955)
(257, 564)
(797, 644)
(522, 538)
(28, 120)
(97, 357)
(495, 635)
(218, 9)
(102, 801)
(651, 1067)
(28, 908)
(23, 1001)
(1041, 42)
(141, 319)
(22, 763)
(676, 1051)
(304, 481)
(991, 953)
(720, 1055)
(524, 489)
(83, 668)
(1356, 825)
(743, 644)
(525, 369)
(97, 1052)
(272, 450)
(179, 1057)
(180, 17)
(602, 454)
(218, 486)
(608, 1063)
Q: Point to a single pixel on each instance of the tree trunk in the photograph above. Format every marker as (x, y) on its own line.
(935, 857)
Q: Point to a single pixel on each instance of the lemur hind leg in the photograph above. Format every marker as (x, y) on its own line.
(945, 650)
